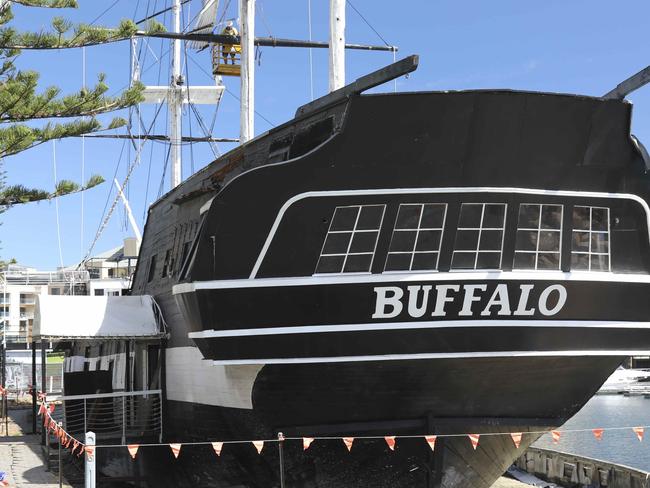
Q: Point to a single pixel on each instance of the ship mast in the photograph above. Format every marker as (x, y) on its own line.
(337, 45)
(247, 110)
(175, 102)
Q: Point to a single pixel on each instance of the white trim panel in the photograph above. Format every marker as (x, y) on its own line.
(408, 277)
(454, 355)
(416, 191)
(443, 324)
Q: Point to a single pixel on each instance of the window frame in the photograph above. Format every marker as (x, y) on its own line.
(591, 253)
(417, 230)
(353, 231)
(480, 229)
(539, 230)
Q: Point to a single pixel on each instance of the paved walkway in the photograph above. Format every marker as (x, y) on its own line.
(21, 458)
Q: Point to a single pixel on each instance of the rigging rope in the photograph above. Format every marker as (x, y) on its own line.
(311, 59)
(56, 202)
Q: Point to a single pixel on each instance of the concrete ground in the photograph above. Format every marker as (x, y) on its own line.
(508, 483)
(21, 456)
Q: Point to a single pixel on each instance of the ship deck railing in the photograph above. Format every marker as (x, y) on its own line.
(126, 416)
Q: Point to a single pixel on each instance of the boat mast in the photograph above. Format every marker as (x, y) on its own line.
(337, 44)
(175, 102)
(247, 20)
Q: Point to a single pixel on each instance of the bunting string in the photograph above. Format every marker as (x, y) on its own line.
(79, 447)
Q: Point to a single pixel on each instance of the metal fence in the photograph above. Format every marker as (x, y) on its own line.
(127, 416)
(19, 379)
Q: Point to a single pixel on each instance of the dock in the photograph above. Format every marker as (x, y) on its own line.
(21, 455)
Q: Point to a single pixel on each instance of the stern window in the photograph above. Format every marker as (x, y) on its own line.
(590, 239)
(351, 239)
(539, 237)
(416, 240)
(479, 237)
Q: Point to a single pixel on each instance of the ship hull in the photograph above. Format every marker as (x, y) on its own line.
(382, 398)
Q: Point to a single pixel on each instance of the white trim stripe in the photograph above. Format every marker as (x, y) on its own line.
(419, 191)
(453, 355)
(408, 277)
(442, 324)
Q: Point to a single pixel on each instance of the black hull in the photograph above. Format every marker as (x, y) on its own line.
(376, 399)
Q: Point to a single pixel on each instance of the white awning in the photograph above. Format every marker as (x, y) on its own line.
(60, 317)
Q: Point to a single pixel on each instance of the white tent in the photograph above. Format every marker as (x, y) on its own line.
(60, 317)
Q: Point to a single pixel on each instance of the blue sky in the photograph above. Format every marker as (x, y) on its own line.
(556, 46)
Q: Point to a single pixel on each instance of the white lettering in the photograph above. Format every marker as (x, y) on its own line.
(499, 299)
(470, 298)
(543, 300)
(414, 310)
(523, 301)
(384, 300)
(442, 298)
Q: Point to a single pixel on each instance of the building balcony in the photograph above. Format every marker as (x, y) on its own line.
(27, 301)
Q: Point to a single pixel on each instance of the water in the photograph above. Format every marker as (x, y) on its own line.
(617, 446)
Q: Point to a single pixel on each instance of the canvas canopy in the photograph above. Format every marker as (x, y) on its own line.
(96, 317)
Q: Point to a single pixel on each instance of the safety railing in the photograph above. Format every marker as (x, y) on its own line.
(129, 416)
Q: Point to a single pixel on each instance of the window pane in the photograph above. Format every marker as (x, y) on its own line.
(370, 217)
(528, 216)
(488, 260)
(357, 263)
(403, 240)
(398, 262)
(466, 240)
(424, 261)
(364, 242)
(491, 240)
(548, 261)
(552, 217)
(599, 218)
(330, 264)
(470, 215)
(526, 240)
(346, 238)
(599, 262)
(493, 216)
(428, 240)
(580, 218)
(408, 217)
(580, 242)
(579, 261)
(337, 243)
(599, 243)
(524, 260)
(433, 216)
(344, 218)
(463, 260)
(549, 241)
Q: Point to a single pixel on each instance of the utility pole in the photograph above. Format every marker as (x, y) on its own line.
(247, 19)
(337, 44)
(175, 102)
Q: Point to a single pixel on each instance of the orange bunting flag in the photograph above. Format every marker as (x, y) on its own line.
(259, 445)
(217, 446)
(516, 438)
(90, 451)
(133, 449)
(51, 408)
(598, 433)
(41, 409)
(176, 449)
(348, 442)
(639, 432)
(390, 440)
(306, 442)
(431, 440)
(4, 483)
(474, 438)
(555, 434)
